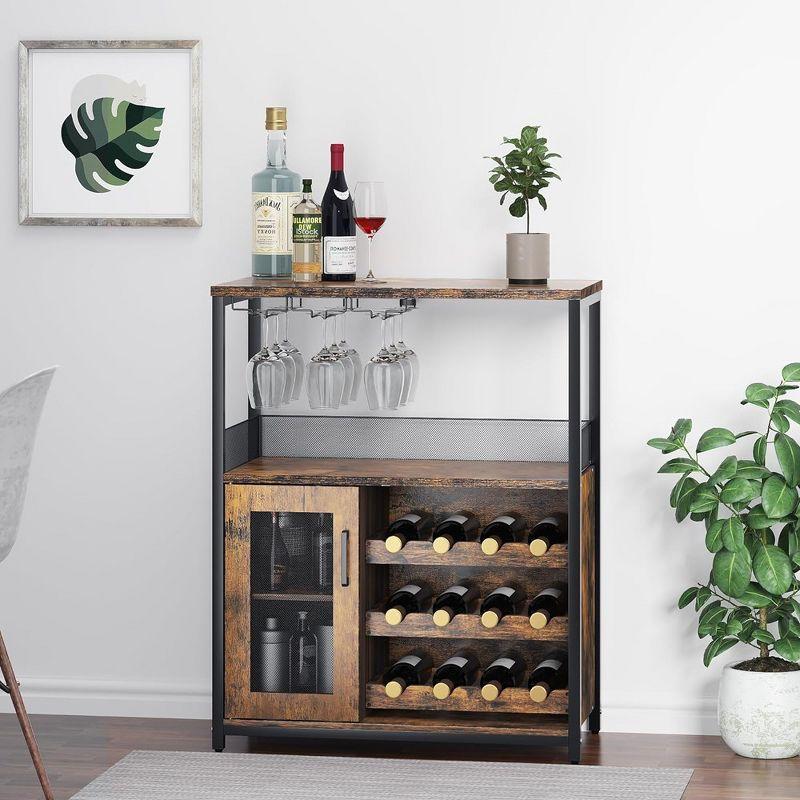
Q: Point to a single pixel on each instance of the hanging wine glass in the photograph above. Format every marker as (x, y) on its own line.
(404, 363)
(289, 363)
(343, 356)
(294, 353)
(413, 359)
(371, 208)
(355, 358)
(383, 375)
(326, 375)
(266, 373)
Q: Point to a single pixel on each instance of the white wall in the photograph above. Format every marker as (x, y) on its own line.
(678, 124)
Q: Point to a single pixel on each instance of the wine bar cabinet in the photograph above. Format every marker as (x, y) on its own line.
(302, 570)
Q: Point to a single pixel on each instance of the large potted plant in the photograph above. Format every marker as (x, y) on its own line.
(749, 508)
(524, 172)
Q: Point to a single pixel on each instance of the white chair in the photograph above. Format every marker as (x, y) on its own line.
(20, 410)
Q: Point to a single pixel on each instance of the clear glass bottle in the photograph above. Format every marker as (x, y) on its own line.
(276, 192)
(307, 238)
(303, 657)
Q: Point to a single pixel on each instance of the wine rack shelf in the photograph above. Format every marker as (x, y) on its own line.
(465, 626)
(465, 699)
(515, 555)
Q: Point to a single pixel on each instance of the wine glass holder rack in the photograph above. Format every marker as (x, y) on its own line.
(365, 471)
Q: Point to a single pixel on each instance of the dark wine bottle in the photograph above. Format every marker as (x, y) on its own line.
(459, 670)
(501, 530)
(410, 527)
(499, 603)
(549, 603)
(452, 529)
(545, 534)
(453, 600)
(503, 673)
(410, 670)
(407, 599)
(338, 224)
(549, 675)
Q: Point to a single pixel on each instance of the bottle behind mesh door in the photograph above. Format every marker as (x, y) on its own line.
(303, 657)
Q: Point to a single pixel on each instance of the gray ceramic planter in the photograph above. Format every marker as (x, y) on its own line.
(527, 257)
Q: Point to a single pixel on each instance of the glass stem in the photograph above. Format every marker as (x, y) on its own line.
(369, 256)
(286, 326)
(385, 332)
(264, 331)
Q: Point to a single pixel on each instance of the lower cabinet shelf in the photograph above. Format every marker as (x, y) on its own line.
(465, 698)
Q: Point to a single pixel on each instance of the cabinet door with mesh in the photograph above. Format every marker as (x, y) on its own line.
(291, 603)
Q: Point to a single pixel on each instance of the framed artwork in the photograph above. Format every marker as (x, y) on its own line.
(109, 133)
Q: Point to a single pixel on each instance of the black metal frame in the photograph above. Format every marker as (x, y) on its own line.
(581, 440)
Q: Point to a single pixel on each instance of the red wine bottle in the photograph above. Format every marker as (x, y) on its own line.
(549, 603)
(410, 670)
(407, 599)
(501, 530)
(498, 604)
(338, 224)
(503, 673)
(452, 529)
(410, 527)
(459, 670)
(453, 600)
(549, 675)
(544, 535)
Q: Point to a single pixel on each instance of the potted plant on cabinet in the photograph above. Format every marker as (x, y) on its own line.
(749, 507)
(524, 172)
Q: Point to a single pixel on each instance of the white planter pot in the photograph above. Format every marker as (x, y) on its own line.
(759, 712)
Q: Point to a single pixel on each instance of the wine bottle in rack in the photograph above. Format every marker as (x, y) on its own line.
(410, 527)
(499, 603)
(453, 600)
(338, 224)
(545, 534)
(503, 673)
(549, 603)
(410, 670)
(501, 530)
(549, 675)
(408, 599)
(459, 670)
(452, 529)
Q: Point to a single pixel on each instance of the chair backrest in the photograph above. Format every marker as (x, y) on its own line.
(20, 410)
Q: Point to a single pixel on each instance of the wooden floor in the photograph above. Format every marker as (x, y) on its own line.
(77, 749)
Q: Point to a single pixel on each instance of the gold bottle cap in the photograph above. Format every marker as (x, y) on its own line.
(276, 118)
(394, 544)
(490, 618)
(442, 690)
(490, 691)
(539, 547)
(441, 544)
(539, 619)
(442, 617)
(395, 688)
(539, 692)
(490, 545)
(394, 615)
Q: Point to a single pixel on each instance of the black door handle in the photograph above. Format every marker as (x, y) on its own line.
(345, 560)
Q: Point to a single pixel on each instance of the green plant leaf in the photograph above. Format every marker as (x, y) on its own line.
(664, 445)
(778, 498)
(682, 428)
(779, 422)
(732, 534)
(704, 499)
(760, 450)
(716, 647)
(684, 497)
(517, 208)
(763, 636)
(687, 597)
(788, 647)
(738, 490)
(756, 392)
(791, 372)
(772, 569)
(756, 596)
(725, 471)
(789, 408)
(796, 560)
(679, 465)
(731, 571)
(750, 470)
(703, 596)
(789, 539)
(734, 627)
(714, 537)
(714, 438)
(711, 616)
(788, 452)
(745, 433)
(114, 146)
(673, 495)
(758, 520)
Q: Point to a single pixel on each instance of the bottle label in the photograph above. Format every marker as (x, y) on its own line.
(456, 661)
(272, 222)
(339, 255)
(551, 592)
(508, 663)
(307, 228)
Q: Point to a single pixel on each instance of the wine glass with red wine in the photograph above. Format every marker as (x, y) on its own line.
(370, 207)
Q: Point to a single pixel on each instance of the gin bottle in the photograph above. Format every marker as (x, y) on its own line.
(276, 192)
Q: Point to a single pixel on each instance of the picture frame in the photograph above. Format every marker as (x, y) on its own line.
(110, 132)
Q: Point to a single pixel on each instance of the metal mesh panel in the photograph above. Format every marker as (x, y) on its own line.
(414, 437)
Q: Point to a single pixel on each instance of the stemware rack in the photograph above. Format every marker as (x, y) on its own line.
(357, 473)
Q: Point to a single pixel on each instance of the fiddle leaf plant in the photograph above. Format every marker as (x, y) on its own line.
(750, 512)
(524, 172)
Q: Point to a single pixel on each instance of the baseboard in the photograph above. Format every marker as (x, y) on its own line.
(621, 714)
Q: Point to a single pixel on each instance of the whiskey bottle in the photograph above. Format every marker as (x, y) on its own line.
(307, 238)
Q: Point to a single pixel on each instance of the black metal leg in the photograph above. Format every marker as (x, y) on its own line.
(218, 521)
(594, 415)
(574, 532)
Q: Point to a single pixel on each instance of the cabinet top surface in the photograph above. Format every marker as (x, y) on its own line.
(473, 289)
